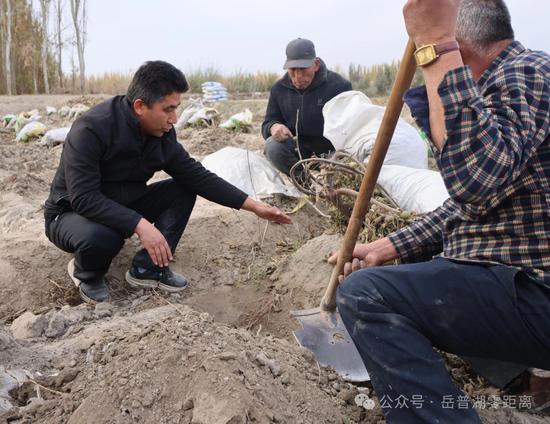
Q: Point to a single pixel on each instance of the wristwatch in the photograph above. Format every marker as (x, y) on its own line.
(429, 53)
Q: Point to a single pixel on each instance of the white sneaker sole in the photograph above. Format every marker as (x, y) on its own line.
(77, 282)
(70, 270)
(151, 284)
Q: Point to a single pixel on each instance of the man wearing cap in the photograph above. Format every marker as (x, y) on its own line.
(295, 107)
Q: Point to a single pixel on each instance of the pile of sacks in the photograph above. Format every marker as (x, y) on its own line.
(213, 91)
(27, 125)
(195, 112)
(74, 111)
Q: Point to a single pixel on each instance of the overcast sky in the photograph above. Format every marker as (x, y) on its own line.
(251, 35)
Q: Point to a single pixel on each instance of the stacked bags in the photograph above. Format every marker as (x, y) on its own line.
(213, 91)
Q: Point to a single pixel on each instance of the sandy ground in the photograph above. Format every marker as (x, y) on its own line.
(221, 352)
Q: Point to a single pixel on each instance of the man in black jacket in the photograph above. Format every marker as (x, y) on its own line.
(299, 95)
(99, 195)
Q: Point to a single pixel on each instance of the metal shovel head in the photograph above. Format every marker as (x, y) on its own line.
(324, 334)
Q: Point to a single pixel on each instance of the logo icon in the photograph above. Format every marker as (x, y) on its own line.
(363, 400)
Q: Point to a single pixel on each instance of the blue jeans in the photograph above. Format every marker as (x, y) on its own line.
(397, 314)
(95, 245)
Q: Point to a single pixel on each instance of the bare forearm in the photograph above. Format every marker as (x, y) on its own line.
(250, 204)
(433, 75)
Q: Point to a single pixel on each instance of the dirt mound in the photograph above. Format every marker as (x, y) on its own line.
(306, 273)
(174, 365)
(203, 141)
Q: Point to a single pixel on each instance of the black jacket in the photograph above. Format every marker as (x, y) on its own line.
(106, 163)
(285, 100)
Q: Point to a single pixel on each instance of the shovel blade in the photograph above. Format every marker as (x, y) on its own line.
(324, 334)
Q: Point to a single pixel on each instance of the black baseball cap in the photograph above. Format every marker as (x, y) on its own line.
(300, 53)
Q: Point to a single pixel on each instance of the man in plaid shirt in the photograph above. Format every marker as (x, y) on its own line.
(486, 294)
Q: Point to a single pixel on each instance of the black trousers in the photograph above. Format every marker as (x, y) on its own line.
(95, 245)
(396, 314)
(283, 155)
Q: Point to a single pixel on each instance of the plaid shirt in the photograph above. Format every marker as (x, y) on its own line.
(496, 166)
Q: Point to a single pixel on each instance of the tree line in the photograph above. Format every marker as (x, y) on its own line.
(374, 81)
(34, 37)
(377, 80)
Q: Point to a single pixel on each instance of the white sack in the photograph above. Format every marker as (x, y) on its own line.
(50, 110)
(193, 106)
(64, 111)
(204, 114)
(77, 110)
(24, 118)
(416, 190)
(9, 120)
(242, 118)
(31, 130)
(352, 123)
(249, 171)
(55, 136)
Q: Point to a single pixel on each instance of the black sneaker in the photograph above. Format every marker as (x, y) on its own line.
(89, 293)
(165, 280)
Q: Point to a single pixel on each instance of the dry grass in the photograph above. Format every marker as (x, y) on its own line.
(238, 82)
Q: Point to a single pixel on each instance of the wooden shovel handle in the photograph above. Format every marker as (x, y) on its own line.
(403, 81)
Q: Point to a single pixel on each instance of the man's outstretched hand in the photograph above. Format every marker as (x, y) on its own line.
(375, 253)
(154, 242)
(264, 211)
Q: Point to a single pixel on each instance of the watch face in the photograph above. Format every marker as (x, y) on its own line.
(425, 55)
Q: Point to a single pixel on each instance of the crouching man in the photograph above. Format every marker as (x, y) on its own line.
(99, 195)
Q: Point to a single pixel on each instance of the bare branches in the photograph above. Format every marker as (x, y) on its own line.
(45, 14)
(337, 179)
(7, 53)
(78, 13)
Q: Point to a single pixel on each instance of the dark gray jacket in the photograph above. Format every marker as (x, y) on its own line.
(285, 100)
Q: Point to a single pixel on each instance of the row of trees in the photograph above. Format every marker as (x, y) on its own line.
(34, 36)
(377, 80)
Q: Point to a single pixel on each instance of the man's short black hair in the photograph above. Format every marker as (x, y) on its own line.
(154, 80)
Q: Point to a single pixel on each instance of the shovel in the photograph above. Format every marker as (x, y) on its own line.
(323, 331)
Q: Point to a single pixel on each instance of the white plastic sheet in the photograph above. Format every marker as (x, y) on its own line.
(249, 171)
(352, 123)
(416, 190)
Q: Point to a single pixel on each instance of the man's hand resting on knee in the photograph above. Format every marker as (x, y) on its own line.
(280, 132)
(367, 255)
(154, 242)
